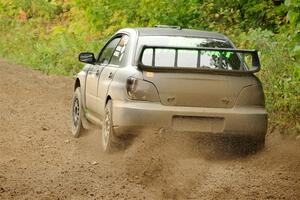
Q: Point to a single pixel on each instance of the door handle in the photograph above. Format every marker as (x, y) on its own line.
(110, 76)
(98, 72)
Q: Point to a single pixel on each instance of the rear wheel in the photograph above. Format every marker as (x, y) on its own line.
(110, 142)
(77, 113)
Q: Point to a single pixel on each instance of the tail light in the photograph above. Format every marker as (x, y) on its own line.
(138, 89)
(251, 96)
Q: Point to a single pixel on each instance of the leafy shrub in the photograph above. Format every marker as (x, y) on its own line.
(294, 19)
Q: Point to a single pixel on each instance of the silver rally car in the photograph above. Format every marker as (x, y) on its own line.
(171, 78)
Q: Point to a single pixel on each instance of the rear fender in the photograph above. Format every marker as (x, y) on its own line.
(117, 87)
(252, 95)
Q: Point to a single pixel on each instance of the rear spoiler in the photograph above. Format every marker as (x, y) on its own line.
(142, 66)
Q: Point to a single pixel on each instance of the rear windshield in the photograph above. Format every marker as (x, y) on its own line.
(189, 58)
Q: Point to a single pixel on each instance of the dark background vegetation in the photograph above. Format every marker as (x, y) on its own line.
(48, 35)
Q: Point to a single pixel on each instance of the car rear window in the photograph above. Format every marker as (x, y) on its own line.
(189, 58)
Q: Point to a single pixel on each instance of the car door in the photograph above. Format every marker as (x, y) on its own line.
(109, 71)
(93, 102)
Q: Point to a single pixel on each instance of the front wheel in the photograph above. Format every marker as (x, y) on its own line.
(76, 113)
(110, 142)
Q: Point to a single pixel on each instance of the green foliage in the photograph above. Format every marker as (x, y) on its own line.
(33, 8)
(294, 19)
(48, 35)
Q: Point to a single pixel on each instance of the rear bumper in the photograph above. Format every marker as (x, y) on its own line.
(130, 117)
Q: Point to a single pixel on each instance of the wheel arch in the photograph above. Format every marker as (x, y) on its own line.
(77, 84)
(107, 99)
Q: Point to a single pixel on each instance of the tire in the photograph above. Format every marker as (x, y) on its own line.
(110, 142)
(77, 113)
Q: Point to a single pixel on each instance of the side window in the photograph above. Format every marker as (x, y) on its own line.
(118, 54)
(108, 51)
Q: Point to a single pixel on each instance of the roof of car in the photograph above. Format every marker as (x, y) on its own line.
(166, 31)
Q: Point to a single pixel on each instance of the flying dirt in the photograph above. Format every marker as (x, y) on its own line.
(39, 159)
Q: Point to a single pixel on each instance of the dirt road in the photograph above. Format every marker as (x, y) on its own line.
(40, 160)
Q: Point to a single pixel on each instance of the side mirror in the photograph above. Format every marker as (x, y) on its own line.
(87, 57)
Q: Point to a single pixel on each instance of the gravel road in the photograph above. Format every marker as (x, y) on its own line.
(39, 159)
